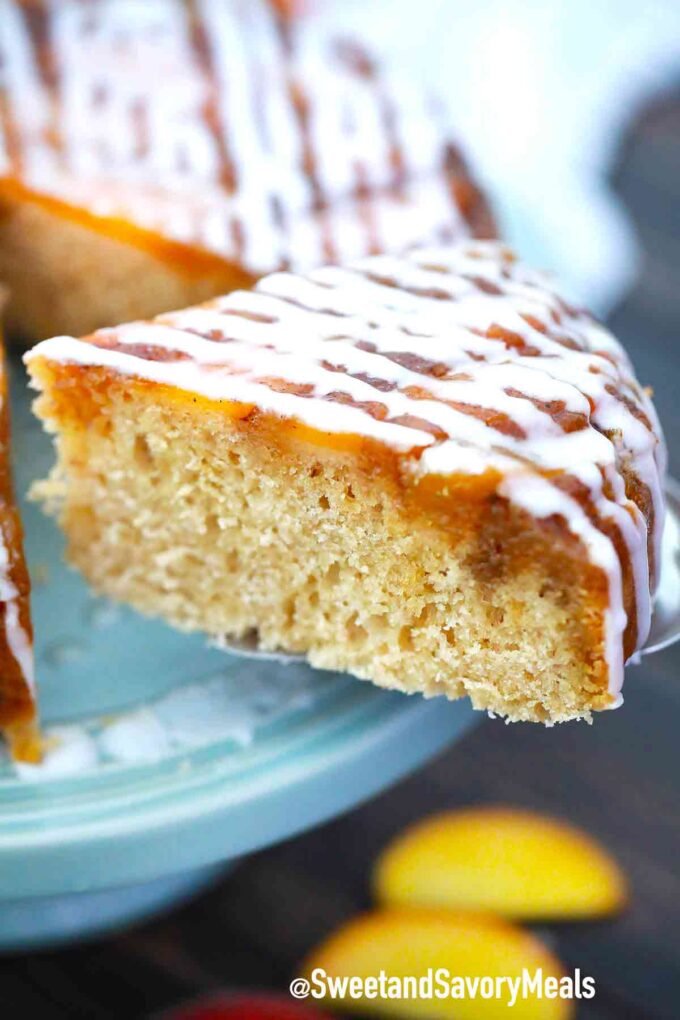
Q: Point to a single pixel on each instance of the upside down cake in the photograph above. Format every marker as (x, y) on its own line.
(430, 471)
(17, 686)
(156, 154)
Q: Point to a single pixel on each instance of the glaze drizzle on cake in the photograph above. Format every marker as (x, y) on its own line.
(224, 127)
(463, 361)
(17, 683)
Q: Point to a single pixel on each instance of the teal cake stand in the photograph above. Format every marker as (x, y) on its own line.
(166, 757)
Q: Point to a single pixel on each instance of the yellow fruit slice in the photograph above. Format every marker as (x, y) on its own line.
(505, 860)
(439, 948)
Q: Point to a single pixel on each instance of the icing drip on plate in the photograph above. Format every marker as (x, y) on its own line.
(459, 358)
(215, 124)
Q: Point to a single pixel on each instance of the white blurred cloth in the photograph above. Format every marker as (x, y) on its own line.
(541, 92)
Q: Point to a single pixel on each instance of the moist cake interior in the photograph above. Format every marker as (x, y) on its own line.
(227, 527)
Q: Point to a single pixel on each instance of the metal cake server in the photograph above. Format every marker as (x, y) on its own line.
(665, 629)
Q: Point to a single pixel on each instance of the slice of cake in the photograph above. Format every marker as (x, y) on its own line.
(156, 154)
(17, 701)
(430, 471)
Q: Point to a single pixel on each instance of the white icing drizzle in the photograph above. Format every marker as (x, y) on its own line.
(20, 643)
(459, 358)
(206, 123)
(541, 499)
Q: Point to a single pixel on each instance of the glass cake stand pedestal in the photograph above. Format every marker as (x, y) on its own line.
(167, 758)
(113, 843)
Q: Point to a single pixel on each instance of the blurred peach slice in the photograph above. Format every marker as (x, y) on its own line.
(439, 946)
(508, 861)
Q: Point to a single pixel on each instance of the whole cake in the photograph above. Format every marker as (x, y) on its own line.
(430, 471)
(156, 154)
(17, 702)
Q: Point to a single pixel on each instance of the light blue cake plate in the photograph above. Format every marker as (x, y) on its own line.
(166, 756)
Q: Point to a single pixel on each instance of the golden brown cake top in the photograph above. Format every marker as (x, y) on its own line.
(219, 125)
(462, 362)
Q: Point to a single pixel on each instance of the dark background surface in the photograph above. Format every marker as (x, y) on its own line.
(620, 778)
